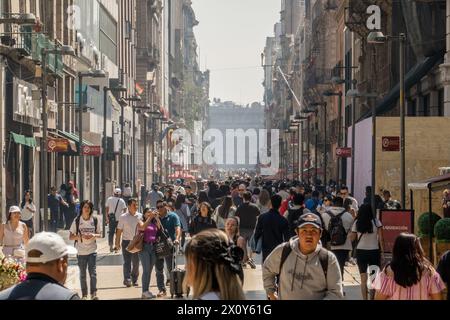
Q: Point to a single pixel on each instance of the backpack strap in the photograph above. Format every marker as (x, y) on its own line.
(77, 228)
(284, 255)
(323, 258)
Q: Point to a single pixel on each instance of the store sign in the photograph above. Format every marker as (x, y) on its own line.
(95, 151)
(344, 152)
(57, 145)
(390, 144)
(395, 222)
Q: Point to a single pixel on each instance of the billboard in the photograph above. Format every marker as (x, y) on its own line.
(395, 222)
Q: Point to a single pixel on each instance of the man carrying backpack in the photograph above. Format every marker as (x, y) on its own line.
(314, 202)
(295, 212)
(304, 269)
(338, 222)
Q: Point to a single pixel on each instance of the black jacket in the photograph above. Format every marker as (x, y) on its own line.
(273, 228)
(200, 223)
(247, 213)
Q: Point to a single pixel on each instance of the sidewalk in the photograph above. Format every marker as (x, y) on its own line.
(110, 279)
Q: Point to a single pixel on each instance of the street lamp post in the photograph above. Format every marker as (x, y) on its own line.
(325, 156)
(63, 50)
(377, 37)
(81, 75)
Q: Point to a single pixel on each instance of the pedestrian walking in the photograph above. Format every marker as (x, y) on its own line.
(232, 231)
(126, 230)
(389, 203)
(263, 202)
(154, 196)
(191, 197)
(202, 221)
(272, 228)
(214, 267)
(294, 213)
(314, 202)
(247, 213)
(28, 211)
(304, 269)
(47, 257)
(172, 226)
(127, 192)
(409, 276)
(70, 212)
(149, 225)
(367, 231)
(14, 235)
(338, 223)
(225, 210)
(115, 207)
(183, 212)
(84, 231)
(55, 202)
(345, 194)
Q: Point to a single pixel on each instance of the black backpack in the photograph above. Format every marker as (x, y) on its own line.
(77, 225)
(336, 230)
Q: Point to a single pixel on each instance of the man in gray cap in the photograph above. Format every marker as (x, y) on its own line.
(115, 207)
(304, 269)
(47, 261)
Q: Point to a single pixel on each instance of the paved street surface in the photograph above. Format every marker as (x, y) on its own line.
(110, 287)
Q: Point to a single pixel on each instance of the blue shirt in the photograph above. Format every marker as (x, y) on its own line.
(53, 202)
(170, 222)
(312, 204)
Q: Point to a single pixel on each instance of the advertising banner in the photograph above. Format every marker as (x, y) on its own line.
(395, 222)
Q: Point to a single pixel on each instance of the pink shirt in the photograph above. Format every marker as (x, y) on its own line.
(150, 233)
(431, 283)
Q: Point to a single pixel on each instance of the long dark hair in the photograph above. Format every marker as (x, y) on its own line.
(364, 219)
(90, 204)
(408, 262)
(208, 206)
(225, 207)
(180, 200)
(22, 204)
(347, 204)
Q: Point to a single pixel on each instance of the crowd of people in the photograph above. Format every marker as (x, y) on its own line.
(306, 235)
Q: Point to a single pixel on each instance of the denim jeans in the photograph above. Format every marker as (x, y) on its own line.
(89, 262)
(148, 260)
(160, 271)
(112, 229)
(129, 259)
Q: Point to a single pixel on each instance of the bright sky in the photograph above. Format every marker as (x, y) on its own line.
(231, 36)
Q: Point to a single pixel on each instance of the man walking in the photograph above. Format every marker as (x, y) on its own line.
(172, 226)
(304, 269)
(55, 201)
(339, 222)
(115, 207)
(154, 196)
(248, 213)
(127, 228)
(272, 227)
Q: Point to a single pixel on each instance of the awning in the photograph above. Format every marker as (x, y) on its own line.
(23, 140)
(435, 183)
(414, 75)
(75, 138)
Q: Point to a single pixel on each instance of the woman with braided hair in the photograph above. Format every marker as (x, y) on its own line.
(214, 267)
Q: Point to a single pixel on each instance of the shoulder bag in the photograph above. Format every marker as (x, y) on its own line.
(163, 244)
(136, 245)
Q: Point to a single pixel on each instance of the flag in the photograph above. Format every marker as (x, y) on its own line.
(139, 89)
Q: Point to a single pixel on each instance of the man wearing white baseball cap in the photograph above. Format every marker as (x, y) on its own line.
(115, 207)
(46, 257)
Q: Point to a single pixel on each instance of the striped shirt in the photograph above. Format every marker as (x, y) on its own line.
(430, 283)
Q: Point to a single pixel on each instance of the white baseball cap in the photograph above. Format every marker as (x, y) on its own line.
(14, 209)
(51, 245)
(117, 191)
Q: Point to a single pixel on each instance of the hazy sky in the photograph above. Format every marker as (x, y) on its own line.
(231, 36)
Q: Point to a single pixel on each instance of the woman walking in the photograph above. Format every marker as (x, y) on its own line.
(202, 221)
(28, 210)
(183, 212)
(223, 212)
(14, 235)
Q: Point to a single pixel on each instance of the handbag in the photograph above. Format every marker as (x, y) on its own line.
(136, 245)
(163, 245)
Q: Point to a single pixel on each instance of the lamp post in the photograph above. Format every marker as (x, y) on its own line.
(329, 93)
(120, 88)
(63, 50)
(81, 75)
(123, 104)
(377, 37)
(325, 156)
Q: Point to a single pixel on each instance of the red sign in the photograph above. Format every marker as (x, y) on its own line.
(344, 152)
(391, 143)
(57, 145)
(395, 222)
(95, 151)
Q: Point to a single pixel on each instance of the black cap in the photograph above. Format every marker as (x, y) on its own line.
(311, 219)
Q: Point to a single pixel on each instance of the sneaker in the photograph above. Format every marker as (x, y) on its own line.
(251, 263)
(84, 298)
(148, 295)
(94, 296)
(111, 249)
(127, 283)
(162, 294)
(135, 284)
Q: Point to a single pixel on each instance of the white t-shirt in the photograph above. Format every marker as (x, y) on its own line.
(111, 204)
(369, 241)
(128, 223)
(347, 222)
(283, 194)
(86, 247)
(26, 213)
